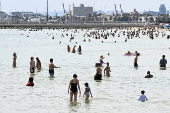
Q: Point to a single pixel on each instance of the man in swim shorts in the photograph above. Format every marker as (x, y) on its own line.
(51, 68)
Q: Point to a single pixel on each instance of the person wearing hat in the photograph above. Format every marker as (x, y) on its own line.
(101, 60)
(73, 88)
(163, 61)
(148, 75)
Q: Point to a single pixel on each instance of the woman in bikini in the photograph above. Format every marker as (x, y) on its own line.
(107, 70)
(73, 88)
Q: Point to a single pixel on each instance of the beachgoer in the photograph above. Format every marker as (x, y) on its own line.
(101, 60)
(51, 68)
(73, 51)
(163, 61)
(142, 97)
(87, 92)
(38, 64)
(30, 82)
(98, 75)
(68, 48)
(136, 60)
(32, 65)
(79, 49)
(107, 70)
(73, 88)
(148, 75)
(14, 59)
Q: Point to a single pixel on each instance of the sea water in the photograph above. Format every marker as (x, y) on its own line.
(117, 94)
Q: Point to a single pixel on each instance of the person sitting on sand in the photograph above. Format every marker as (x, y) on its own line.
(148, 75)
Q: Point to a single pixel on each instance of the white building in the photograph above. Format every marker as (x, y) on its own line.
(82, 11)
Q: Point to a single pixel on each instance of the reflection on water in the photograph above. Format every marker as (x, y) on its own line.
(118, 93)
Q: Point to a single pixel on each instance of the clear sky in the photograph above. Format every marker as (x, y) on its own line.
(106, 5)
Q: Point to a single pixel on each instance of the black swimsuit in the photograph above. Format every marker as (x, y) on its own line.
(73, 87)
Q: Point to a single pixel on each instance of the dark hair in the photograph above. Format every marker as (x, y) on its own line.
(32, 58)
(86, 84)
(51, 60)
(148, 72)
(163, 55)
(142, 92)
(74, 76)
(31, 79)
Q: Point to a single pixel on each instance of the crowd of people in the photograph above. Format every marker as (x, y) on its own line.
(74, 86)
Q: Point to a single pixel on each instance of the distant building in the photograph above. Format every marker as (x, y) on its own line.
(154, 13)
(82, 11)
(26, 14)
(162, 9)
(3, 15)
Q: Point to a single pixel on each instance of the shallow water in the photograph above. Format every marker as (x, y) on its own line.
(118, 93)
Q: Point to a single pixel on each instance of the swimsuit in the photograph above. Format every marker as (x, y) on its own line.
(135, 64)
(32, 69)
(73, 87)
(51, 72)
(87, 90)
(98, 77)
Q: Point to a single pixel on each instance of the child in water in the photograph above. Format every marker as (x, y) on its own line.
(30, 82)
(107, 70)
(87, 91)
(143, 97)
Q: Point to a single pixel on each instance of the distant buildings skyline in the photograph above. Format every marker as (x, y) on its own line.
(162, 9)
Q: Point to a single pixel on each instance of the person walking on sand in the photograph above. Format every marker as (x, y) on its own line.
(32, 65)
(14, 60)
(51, 68)
(73, 88)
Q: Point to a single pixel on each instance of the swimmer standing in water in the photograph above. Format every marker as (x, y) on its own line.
(14, 60)
(101, 60)
(51, 68)
(163, 62)
(107, 70)
(136, 60)
(32, 65)
(73, 88)
(38, 64)
(87, 91)
(68, 48)
(142, 97)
